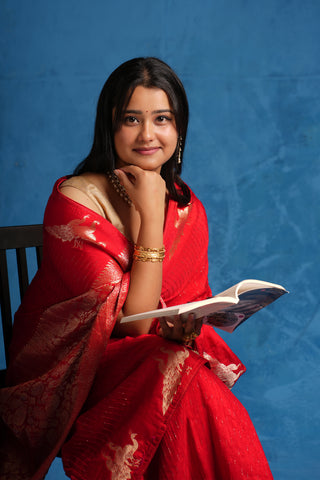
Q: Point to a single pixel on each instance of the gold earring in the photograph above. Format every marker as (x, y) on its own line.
(179, 151)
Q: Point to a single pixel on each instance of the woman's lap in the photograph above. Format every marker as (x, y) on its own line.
(210, 436)
(156, 403)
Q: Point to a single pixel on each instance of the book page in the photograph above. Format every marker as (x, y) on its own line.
(250, 302)
(246, 286)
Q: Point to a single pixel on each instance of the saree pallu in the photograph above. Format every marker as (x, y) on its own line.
(129, 408)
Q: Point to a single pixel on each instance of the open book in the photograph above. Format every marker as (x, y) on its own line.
(225, 310)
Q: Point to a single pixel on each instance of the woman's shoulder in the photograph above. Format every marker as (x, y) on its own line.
(86, 189)
(83, 181)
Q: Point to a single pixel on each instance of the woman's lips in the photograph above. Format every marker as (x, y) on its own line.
(146, 151)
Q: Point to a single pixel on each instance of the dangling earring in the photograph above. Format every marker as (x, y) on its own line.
(179, 151)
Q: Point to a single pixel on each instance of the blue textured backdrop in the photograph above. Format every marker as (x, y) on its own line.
(251, 71)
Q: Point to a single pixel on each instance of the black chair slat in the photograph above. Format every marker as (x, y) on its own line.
(22, 270)
(5, 302)
(18, 238)
(39, 252)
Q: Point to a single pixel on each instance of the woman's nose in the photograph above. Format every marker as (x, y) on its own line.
(146, 133)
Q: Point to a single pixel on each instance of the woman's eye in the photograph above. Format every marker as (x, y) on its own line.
(130, 120)
(163, 119)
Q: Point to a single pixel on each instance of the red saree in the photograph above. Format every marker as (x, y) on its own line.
(132, 408)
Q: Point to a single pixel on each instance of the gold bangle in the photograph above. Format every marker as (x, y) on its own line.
(144, 254)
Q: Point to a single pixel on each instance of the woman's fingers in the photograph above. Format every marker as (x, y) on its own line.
(126, 177)
(198, 325)
(180, 327)
(165, 329)
(189, 325)
(171, 327)
(146, 189)
(132, 175)
(177, 327)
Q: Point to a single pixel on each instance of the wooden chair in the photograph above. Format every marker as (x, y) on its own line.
(19, 238)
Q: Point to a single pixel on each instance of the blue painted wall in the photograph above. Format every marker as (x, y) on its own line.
(252, 73)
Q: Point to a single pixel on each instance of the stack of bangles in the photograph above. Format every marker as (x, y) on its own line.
(143, 254)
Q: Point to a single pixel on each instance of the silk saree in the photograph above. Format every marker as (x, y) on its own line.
(120, 408)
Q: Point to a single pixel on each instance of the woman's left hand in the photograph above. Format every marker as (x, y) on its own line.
(180, 328)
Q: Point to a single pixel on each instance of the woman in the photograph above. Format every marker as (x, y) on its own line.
(124, 235)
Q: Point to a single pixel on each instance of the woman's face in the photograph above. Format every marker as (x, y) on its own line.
(147, 136)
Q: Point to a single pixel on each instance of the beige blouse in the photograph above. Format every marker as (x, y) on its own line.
(98, 197)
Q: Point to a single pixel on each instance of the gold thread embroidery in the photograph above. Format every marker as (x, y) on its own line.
(183, 214)
(172, 374)
(226, 373)
(75, 231)
(123, 462)
(108, 277)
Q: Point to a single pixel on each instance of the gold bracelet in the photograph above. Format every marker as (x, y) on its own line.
(143, 254)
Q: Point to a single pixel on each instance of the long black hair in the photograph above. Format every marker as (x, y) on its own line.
(115, 95)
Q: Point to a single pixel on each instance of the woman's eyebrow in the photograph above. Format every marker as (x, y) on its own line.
(140, 112)
(165, 110)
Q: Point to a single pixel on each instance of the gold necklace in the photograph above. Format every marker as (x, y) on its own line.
(121, 191)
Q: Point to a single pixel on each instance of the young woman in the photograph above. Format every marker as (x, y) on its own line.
(124, 234)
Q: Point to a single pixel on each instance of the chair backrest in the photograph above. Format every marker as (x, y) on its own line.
(19, 238)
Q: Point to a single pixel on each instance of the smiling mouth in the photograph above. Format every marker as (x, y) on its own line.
(146, 151)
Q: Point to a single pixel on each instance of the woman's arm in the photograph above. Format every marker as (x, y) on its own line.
(147, 191)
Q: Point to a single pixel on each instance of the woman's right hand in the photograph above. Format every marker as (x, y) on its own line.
(146, 189)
